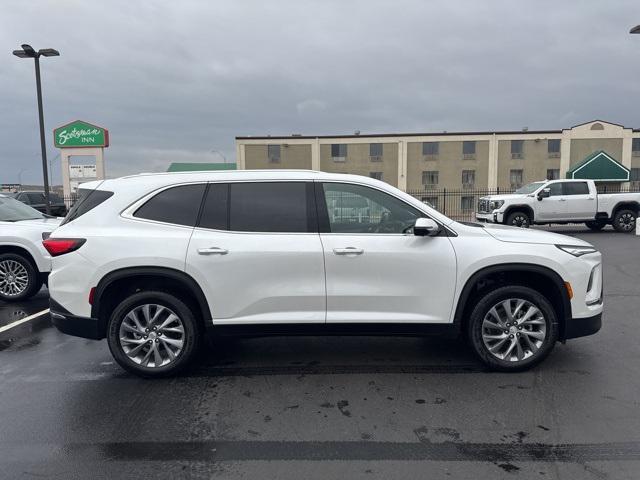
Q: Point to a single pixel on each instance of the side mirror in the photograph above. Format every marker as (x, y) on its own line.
(425, 227)
(544, 193)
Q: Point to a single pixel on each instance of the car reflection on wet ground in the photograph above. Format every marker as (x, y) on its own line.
(340, 407)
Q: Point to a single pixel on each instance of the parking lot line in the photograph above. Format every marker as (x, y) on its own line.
(23, 320)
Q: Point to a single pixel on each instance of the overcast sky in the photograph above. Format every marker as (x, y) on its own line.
(174, 80)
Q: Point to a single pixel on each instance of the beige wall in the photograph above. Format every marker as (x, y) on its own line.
(358, 161)
(291, 156)
(534, 163)
(581, 148)
(449, 163)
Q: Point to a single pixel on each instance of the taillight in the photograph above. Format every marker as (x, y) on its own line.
(60, 246)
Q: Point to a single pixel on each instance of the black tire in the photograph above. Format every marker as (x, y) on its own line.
(34, 282)
(624, 221)
(519, 219)
(191, 340)
(595, 225)
(487, 302)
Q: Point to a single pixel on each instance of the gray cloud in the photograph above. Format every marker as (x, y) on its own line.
(174, 80)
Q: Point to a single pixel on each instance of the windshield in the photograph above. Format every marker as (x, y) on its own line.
(11, 210)
(530, 188)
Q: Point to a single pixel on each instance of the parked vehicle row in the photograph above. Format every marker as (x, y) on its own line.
(562, 201)
(37, 200)
(155, 262)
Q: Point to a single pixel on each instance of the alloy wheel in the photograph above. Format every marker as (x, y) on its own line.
(14, 278)
(514, 330)
(520, 221)
(152, 335)
(627, 222)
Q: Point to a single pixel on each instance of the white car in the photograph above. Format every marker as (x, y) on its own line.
(24, 262)
(562, 201)
(155, 262)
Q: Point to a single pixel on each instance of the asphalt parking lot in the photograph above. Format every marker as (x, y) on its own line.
(340, 407)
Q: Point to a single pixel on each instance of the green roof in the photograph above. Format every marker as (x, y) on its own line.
(599, 166)
(199, 167)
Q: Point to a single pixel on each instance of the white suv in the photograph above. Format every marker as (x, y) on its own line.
(155, 262)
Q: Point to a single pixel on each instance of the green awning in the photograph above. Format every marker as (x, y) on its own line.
(599, 166)
(199, 167)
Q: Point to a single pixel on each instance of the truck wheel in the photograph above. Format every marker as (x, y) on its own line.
(625, 221)
(595, 225)
(153, 334)
(519, 219)
(513, 328)
(19, 279)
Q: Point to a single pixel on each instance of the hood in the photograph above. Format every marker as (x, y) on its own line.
(506, 233)
(48, 224)
(506, 196)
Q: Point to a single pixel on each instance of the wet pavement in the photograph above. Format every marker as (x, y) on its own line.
(339, 407)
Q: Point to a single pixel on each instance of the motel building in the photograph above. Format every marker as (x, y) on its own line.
(465, 161)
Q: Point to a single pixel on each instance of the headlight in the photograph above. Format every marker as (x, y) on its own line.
(493, 204)
(576, 251)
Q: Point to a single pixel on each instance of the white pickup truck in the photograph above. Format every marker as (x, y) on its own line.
(561, 201)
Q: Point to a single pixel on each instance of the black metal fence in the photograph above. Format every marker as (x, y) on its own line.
(461, 204)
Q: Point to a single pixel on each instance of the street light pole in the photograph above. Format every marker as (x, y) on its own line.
(29, 52)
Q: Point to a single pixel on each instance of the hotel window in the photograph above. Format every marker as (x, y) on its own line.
(375, 152)
(469, 150)
(635, 177)
(376, 175)
(430, 179)
(468, 178)
(467, 203)
(635, 147)
(430, 149)
(553, 148)
(517, 147)
(339, 152)
(553, 173)
(273, 152)
(515, 178)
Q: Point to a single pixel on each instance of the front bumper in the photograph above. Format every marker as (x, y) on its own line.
(581, 327)
(490, 217)
(70, 324)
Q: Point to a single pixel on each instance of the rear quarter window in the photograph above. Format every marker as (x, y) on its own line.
(87, 201)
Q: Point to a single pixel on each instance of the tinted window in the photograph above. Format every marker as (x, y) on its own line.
(270, 207)
(216, 207)
(555, 189)
(178, 205)
(87, 200)
(35, 198)
(358, 209)
(575, 188)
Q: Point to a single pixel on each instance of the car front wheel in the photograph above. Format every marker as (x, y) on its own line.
(18, 278)
(519, 219)
(513, 328)
(153, 334)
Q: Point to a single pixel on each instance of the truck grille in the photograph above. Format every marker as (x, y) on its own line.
(483, 205)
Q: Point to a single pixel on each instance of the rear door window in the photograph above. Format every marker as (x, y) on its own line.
(178, 205)
(272, 207)
(576, 188)
(215, 210)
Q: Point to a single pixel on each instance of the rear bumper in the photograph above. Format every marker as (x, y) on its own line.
(581, 327)
(70, 324)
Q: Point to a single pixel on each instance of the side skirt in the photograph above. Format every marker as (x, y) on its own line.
(344, 329)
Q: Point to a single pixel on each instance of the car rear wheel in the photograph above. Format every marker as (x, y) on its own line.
(625, 221)
(519, 219)
(595, 225)
(153, 334)
(513, 328)
(19, 279)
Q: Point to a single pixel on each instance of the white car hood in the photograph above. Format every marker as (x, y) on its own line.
(506, 233)
(45, 224)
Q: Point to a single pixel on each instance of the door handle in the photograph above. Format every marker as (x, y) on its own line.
(563, 200)
(348, 251)
(590, 198)
(212, 251)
